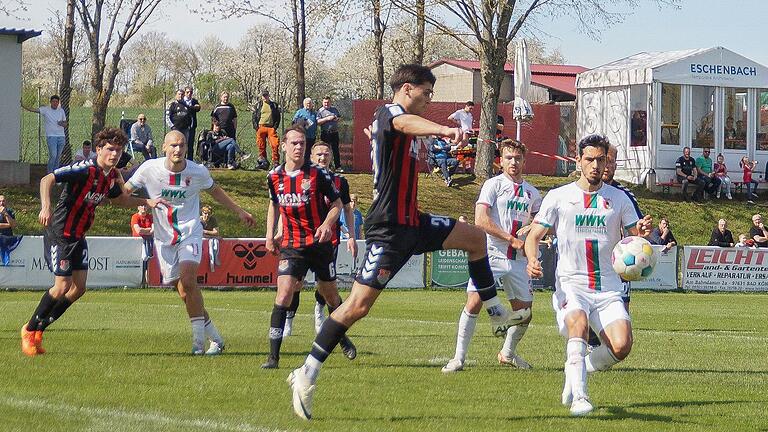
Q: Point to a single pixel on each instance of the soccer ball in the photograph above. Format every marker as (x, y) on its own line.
(633, 258)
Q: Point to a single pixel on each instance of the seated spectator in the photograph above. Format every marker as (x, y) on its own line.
(758, 233)
(85, 153)
(141, 138)
(211, 232)
(721, 235)
(441, 152)
(663, 236)
(685, 167)
(142, 225)
(745, 241)
(721, 171)
(358, 220)
(222, 144)
(706, 173)
(751, 184)
(7, 218)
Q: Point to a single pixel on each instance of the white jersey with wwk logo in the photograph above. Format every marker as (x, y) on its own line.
(511, 206)
(182, 189)
(588, 225)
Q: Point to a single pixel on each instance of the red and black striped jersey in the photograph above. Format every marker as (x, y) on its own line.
(395, 180)
(342, 185)
(86, 186)
(303, 198)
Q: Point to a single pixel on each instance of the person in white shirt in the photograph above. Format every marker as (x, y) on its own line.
(85, 153)
(55, 120)
(463, 118)
(178, 230)
(587, 217)
(506, 205)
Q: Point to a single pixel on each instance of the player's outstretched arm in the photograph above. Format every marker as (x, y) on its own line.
(325, 231)
(536, 233)
(46, 185)
(122, 196)
(219, 195)
(414, 125)
(483, 221)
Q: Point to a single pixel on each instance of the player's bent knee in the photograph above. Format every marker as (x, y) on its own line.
(621, 346)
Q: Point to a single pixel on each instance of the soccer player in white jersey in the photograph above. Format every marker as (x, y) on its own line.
(587, 216)
(178, 231)
(506, 205)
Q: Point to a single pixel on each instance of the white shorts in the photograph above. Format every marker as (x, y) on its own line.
(170, 256)
(512, 276)
(602, 308)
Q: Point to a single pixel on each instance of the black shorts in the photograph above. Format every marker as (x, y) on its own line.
(319, 257)
(389, 247)
(63, 255)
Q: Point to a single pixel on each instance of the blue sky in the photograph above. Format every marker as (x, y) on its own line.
(734, 24)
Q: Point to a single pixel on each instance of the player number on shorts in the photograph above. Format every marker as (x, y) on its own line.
(441, 221)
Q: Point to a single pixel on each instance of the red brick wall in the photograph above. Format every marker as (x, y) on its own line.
(541, 134)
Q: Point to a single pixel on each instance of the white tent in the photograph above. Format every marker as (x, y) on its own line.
(651, 105)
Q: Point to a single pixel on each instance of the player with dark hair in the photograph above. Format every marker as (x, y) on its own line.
(396, 229)
(86, 185)
(306, 202)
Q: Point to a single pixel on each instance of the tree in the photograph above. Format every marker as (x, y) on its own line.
(93, 14)
(493, 24)
(418, 41)
(67, 51)
(12, 8)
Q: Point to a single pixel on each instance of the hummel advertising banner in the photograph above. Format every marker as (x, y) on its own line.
(664, 276)
(707, 268)
(112, 262)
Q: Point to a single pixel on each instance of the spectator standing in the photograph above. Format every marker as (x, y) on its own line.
(441, 151)
(721, 171)
(358, 220)
(7, 218)
(306, 117)
(463, 118)
(328, 119)
(142, 225)
(194, 107)
(226, 114)
(181, 118)
(662, 235)
(499, 127)
(141, 138)
(706, 173)
(721, 235)
(685, 167)
(266, 121)
(85, 152)
(211, 232)
(55, 120)
(749, 166)
(758, 233)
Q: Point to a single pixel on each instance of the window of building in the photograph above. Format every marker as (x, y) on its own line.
(670, 114)
(702, 117)
(638, 121)
(735, 130)
(762, 119)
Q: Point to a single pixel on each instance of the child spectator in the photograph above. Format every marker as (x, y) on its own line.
(721, 172)
(751, 184)
(142, 226)
(358, 220)
(744, 241)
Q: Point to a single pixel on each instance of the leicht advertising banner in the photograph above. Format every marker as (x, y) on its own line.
(664, 276)
(242, 263)
(707, 268)
(112, 262)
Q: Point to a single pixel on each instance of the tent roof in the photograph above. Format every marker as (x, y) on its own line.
(21, 34)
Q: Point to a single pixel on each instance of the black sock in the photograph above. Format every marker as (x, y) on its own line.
(482, 276)
(330, 334)
(319, 298)
(41, 312)
(594, 340)
(58, 310)
(276, 330)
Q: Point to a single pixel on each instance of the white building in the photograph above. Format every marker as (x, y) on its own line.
(11, 170)
(652, 105)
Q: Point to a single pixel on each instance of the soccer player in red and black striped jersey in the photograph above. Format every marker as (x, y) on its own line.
(395, 229)
(305, 200)
(87, 184)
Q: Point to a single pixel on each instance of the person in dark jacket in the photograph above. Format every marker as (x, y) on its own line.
(181, 118)
(194, 106)
(226, 114)
(721, 235)
(266, 120)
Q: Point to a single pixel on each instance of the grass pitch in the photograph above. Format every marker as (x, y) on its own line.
(117, 361)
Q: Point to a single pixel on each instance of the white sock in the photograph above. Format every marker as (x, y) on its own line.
(575, 369)
(312, 368)
(600, 359)
(212, 334)
(198, 332)
(514, 335)
(492, 304)
(464, 334)
(288, 327)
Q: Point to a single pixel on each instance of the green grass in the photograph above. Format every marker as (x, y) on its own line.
(117, 361)
(692, 223)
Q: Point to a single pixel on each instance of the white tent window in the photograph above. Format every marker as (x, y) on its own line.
(736, 122)
(638, 111)
(702, 116)
(762, 119)
(670, 114)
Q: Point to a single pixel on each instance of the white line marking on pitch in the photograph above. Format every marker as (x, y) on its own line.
(139, 416)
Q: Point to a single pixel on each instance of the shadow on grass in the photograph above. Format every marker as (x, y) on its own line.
(683, 370)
